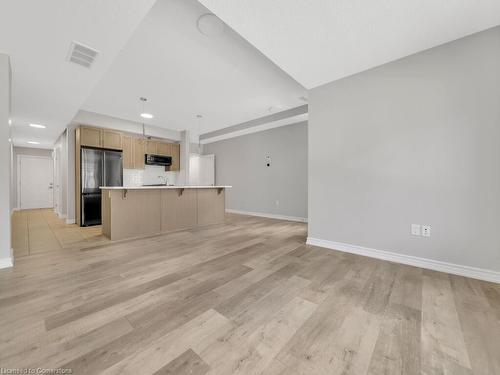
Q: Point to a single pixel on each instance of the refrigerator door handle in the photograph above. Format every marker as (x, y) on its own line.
(82, 209)
(104, 177)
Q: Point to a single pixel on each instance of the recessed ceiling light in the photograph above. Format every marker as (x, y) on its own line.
(33, 143)
(146, 115)
(210, 25)
(38, 126)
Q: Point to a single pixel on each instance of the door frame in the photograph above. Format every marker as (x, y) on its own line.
(18, 182)
(57, 182)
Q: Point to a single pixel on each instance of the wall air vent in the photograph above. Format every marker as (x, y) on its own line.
(82, 55)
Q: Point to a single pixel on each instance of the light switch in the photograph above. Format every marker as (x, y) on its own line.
(415, 229)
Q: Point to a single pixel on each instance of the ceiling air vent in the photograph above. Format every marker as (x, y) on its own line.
(82, 55)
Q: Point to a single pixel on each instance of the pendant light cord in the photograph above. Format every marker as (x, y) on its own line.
(143, 100)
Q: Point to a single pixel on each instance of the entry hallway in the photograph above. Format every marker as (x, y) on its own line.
(244, 297)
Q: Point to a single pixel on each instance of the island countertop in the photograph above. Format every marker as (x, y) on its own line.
(164, 187)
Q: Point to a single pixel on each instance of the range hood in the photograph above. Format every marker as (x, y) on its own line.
(151, 159)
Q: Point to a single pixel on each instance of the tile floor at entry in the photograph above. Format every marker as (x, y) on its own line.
(41, 230)
(244, 297)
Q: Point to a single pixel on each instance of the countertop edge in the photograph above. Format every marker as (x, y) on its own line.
(162, 187)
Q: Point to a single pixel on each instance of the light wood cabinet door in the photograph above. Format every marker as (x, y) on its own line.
(112, 139)
(164, 149)
(91, 137)
(211, 206)
(139, 152)
(176, 157)
(151, 147)
(128, 152)
(178, 209)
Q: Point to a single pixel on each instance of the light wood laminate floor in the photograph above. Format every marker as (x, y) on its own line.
(244, 297)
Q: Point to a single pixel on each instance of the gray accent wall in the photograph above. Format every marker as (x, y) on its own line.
(413, 141)
(241, 162)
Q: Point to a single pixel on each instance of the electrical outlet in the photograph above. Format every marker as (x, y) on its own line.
(415, 229)
(426, 230)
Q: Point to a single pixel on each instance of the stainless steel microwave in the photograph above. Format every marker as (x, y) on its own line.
(151, 159)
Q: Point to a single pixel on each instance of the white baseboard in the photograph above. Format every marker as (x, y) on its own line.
(70, 221)
(270, 216)
(436, 265)
(7, 262)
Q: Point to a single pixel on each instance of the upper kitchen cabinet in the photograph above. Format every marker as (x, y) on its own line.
(103, 138)
(134, 147)
(139, 152)
(128, 152)
(164, 149)
(90, 137)
(151, 147)
(176, 157)
(112, 139)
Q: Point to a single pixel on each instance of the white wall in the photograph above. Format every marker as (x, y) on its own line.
(412, 141)
(5, 163)
(70, 184)
(185, 145)
(61, 167)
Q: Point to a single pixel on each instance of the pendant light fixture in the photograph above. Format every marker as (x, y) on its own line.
(144, 115)
(198, 127)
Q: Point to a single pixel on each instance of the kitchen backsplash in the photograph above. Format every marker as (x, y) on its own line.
(151, 174)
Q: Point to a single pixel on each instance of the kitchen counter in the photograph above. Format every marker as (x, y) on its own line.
(164, 187)
(141, 211)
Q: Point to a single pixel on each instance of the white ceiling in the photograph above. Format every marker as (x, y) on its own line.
(318, 41)
(155, 50)
(46, 89)
(184, 73)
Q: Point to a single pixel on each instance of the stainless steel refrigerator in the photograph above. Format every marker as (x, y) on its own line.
(98, 168)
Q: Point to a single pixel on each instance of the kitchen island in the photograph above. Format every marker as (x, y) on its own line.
(133, 212)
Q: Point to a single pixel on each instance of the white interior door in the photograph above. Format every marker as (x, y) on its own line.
(35, 177)
(207, 170)
(194, 166)
(202, 170)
